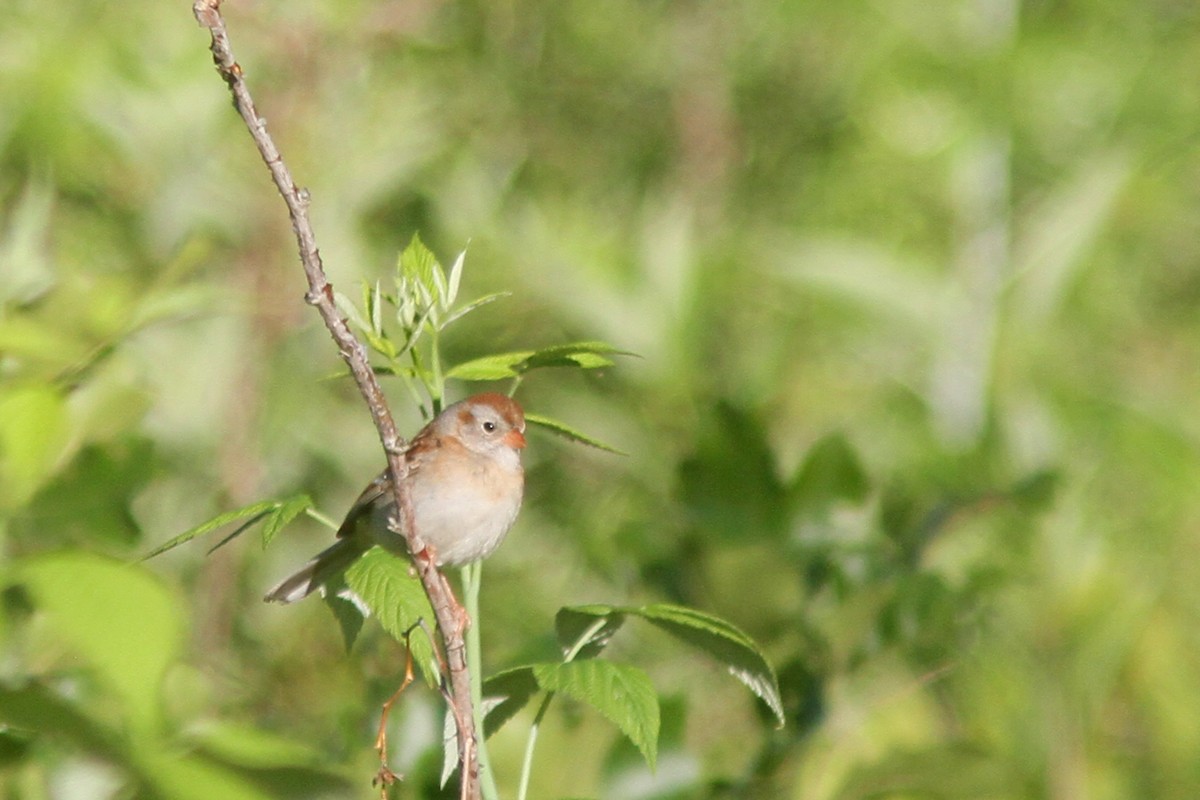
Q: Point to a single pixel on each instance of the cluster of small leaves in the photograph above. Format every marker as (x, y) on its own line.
(403, 328)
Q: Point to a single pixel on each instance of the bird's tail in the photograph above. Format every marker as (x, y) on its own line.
(313, 575)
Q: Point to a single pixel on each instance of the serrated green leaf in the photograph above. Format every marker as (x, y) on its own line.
(417, 266)
(254, 511)
(384, 582)
(621, 693)
(584, 631)
(286, 511)
(562, 429)
(720, 640)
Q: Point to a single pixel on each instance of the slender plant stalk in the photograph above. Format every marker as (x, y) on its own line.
(531, 742)
(472, 579)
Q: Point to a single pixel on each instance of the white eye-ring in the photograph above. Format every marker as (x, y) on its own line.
(489, 426)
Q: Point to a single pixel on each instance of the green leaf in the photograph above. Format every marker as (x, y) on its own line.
(953, 771)
(622, 693)
(512, 688)
(384, 582)
(586, 630)
(721, 640)
(187, 777)
(347, 612)
(37, 708)
(831, 473)
(90, 500)
(585, 355)
(24, 255)
(458, 313)
(566, 431)
(254, 511)
(490, 368)
(730, 485)
(456, 271)
(35, 340)
(34, 434)
(286, 511)
(724, 642)
(249, 747)
(347, 309)
(118, 617)
(419, 266)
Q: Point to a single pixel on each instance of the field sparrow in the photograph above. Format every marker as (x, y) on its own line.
(465, 481)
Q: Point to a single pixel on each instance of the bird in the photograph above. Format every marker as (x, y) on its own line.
(465, 481)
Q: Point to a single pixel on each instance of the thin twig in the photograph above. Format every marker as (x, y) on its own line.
(320, 294)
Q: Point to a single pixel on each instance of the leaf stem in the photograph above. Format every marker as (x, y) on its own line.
(531, 742)
(321, 518)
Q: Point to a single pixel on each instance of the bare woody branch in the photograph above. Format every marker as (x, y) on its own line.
(320, 294)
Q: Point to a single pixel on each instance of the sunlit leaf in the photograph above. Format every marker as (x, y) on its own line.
(621, 693)
(25, 258)
(188, 777)
(118, 617)
(34, 433)
(455, 279)
(490, 368)
(584, 355)
(41, 341)
(419, 266)
(562, 429)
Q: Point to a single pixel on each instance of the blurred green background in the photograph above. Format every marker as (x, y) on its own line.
(914, 288)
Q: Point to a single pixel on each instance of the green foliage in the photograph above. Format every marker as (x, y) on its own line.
(714, 636)
(914, 292)
(386, 585)
(621, 692)
(124, 630)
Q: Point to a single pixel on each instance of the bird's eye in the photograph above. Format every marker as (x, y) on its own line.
(489, 426)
